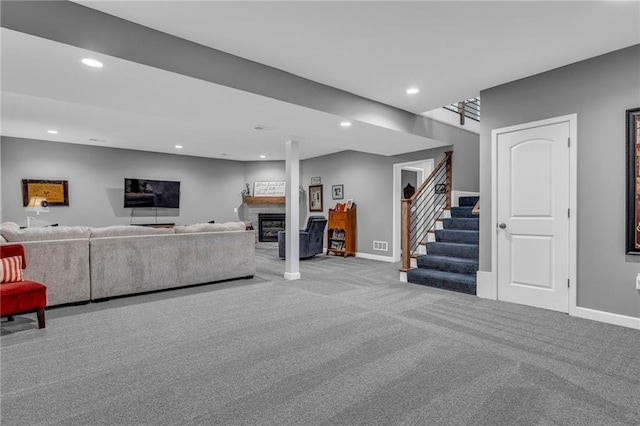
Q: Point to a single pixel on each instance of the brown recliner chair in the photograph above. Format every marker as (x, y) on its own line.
(19, 296)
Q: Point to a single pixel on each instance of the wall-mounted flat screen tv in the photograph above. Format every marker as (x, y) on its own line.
(151, 193)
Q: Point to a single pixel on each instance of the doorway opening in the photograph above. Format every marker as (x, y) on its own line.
(412, 171)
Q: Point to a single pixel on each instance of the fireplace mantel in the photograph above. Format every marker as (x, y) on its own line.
(263, 200)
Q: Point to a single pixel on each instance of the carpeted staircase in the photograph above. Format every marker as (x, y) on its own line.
(451, 261)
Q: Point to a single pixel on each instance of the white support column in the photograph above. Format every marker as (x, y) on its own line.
(292, 226)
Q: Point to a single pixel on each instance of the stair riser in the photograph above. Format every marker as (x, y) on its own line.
(462, 237)
(462, 212)
(414, 276)
(448, 266)
(468, 201)
(444, 249)
(462, 224)
(451, 262)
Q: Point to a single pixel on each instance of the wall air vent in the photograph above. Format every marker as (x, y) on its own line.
(381, 245)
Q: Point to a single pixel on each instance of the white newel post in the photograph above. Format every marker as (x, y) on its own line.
(292, 252)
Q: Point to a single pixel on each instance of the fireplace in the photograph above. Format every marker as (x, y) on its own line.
(268, 226)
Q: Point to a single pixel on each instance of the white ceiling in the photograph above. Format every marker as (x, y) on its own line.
(450, 50)
(128, 105)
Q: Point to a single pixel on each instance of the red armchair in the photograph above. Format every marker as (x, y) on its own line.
(20, 297)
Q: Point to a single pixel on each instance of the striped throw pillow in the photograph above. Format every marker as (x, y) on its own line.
(11, 269)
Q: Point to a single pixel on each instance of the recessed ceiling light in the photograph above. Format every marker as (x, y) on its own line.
(92, 62)
(53, 132)
(178, 146)
(263, 156)
(345, 124)
(412, 91)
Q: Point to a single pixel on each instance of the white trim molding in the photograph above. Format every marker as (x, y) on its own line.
(292, 276)
(375, 257)
(484, 286)
(608, 317)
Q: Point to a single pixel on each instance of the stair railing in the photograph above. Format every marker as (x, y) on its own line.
(421, 212)
(466, 109)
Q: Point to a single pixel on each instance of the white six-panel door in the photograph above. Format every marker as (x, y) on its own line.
(533, 216)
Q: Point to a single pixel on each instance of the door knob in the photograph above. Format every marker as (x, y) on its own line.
(502, 225)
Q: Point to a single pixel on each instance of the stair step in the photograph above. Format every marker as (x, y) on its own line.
(457, 236)
(448, 264)
(469, 201)
(467, 251)
(462, 223)
(445, 280)
(462, 212)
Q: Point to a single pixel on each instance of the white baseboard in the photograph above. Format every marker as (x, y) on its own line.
(484, 285)
(292, 276)
(608, 317)
(375, 257)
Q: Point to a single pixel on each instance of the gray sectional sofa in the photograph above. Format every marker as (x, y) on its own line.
(79, 264)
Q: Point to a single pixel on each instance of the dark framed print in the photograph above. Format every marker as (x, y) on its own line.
(315, 198)
(337, 192)
(633, 181)
(56, 192)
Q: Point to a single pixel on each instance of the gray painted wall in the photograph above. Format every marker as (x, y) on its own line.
(599, 90)
(209, 188)
(466, 151)
(264, 171)
(368, 179)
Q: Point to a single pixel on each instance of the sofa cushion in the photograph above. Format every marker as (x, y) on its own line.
(7, 225)
(45, 233)
(11, 269)
(210, 227)
(200, 227)
(236, 226)
(184, 229)
(128, 231)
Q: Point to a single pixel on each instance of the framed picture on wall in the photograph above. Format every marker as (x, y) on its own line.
(337, 192)
(56, 192)
(315, 198)
(633, 181)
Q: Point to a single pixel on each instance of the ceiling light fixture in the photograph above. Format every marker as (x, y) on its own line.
(345, 124)
(412, 91)
(178, 146)
(92, 62)
(263, 156)
(53, 132)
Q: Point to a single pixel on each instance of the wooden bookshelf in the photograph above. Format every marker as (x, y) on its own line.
(341, 235)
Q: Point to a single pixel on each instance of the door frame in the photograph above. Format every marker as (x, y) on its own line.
(572, 119)
(397, 197)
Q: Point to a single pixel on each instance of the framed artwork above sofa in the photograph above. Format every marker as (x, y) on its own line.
(55, 191)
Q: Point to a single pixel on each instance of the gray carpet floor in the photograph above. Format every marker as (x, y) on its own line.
(346, 345)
